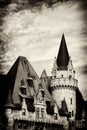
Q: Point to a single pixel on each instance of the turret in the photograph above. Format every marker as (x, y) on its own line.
(63, 83)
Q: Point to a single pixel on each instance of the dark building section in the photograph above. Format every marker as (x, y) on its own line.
(79, 104)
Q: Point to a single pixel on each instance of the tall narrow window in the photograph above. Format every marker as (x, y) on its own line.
(25, 125)
(42, 112)
(54, 73)
(42, 93)
(37, 113)
(71, 101)
(55, 116)
(72, 113)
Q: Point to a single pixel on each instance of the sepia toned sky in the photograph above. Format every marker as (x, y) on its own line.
(36, 34)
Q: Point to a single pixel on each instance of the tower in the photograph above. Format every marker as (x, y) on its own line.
(63, 83)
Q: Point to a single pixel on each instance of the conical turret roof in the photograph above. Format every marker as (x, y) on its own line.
(63, 55)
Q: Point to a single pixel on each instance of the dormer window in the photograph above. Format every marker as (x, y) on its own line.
(42, 93)
(30, 82)
(23, 90)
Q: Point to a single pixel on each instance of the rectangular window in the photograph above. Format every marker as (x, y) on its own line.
(71, 100)
(42, 112)
(54, 73)
(37, 113)
(42, 93)
(19, 125)
(23, 91)
(72, 113)
(55, 116)
(25, 125)
(24, 112)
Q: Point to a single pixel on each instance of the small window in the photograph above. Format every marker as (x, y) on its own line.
(54, 73)
(42, 112)
(30, 82)
(23, 91)
(25, 125)
(62, 75)
(55, 116)
(22, 83)
(42, 93)
(71, 101)
(70, 77)
(84, 122)
(24, 112)
(37, 113)
(72, 113)
(20, 125)
(72, 123)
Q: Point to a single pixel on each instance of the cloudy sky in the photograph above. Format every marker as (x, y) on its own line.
(36, 34)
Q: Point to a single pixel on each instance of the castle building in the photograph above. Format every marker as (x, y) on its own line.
(45, 103)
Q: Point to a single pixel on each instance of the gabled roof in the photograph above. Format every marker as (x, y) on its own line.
(63, 55)
(44, 75)
(45, 84)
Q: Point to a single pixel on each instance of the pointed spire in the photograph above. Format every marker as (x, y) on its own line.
(44, 75)
(63, 55)
(55, 64)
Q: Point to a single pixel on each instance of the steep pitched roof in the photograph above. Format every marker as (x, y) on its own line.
(22, 70)
(23, 73)
(63, 55)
